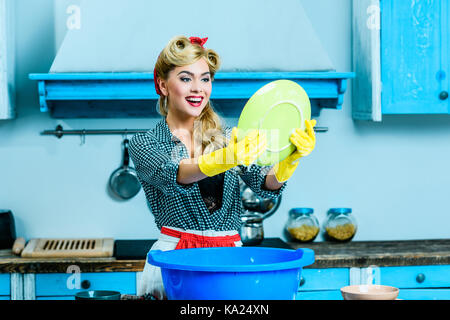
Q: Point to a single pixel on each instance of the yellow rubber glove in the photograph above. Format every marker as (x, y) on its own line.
(236, 153)
(305, 143)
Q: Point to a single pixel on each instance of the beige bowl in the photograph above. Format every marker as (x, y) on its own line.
(369, 292)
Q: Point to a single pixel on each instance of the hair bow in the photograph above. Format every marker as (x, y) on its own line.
(199, 41)
(158, 90)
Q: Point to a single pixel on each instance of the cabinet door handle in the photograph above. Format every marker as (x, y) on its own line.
(302, 281)
(443, 95)
(420, 278)
(85, 284)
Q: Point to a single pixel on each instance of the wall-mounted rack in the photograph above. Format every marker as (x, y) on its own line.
(59, 132)
(132, 94)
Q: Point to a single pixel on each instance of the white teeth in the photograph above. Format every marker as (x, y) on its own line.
(194, 99)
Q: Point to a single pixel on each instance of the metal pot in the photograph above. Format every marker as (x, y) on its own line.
(98, 295)
(256, 210)
(124, 182)
(252, 230)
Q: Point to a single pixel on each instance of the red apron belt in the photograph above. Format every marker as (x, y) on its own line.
(190, 240)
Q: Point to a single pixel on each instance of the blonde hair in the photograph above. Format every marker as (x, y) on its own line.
(181, 52)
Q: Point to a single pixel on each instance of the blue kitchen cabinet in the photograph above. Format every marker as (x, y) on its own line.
(5, 286)
(319, 295)
(427, 282)
(424, 294)
(430, 282)
(415, 56)
(64, 286)
(56, 298)
(418, 282)
(323, 284)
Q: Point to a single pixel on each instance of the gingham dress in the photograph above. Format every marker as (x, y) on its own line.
(156, 155)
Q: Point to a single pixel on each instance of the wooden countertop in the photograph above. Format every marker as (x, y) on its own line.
(379, 253)
(328, 255)
(11, 264)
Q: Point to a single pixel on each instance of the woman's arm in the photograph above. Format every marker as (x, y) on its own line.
(271, 182)
(155, 166)
(245, 151)
(189, 172)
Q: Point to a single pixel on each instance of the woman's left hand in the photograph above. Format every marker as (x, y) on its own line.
(305, 142)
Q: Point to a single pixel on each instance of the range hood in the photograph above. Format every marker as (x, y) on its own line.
(104, 68)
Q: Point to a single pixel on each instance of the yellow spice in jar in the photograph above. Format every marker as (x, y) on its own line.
(342, 232)
(304, 232)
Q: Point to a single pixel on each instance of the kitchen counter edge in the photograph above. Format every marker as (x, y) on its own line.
(327, 255)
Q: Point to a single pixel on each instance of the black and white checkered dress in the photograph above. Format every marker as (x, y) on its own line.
(156, 155)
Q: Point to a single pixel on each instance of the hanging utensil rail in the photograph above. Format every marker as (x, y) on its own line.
(59, 131)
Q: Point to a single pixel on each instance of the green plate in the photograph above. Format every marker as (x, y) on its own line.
(276, 109)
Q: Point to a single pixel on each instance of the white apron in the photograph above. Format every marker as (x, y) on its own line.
(151, 281)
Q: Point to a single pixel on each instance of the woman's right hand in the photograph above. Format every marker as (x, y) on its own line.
(248, 149)
(242, 152)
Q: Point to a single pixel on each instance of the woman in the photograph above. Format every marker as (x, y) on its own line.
(189, 165)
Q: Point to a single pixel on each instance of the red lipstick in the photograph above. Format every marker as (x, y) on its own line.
(195, 101)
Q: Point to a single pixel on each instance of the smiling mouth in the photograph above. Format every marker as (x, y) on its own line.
(194, 101)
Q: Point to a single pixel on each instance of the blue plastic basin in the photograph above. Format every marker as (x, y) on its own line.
(231, 273)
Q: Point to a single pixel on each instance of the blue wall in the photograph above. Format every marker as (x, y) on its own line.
(395, 174)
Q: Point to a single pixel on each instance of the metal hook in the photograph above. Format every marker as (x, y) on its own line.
(83, 137)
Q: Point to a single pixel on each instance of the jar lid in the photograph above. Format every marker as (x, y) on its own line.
(340, 210)
(301, 210)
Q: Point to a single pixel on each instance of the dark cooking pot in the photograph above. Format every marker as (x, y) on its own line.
(97, 295)
(252, 231)
(256, 209)
(7, 229)
(124, 182)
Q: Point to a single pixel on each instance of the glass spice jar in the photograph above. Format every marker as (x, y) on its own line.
(302, 225)
(340, 225)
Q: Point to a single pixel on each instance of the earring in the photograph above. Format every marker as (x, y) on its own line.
(165, 104)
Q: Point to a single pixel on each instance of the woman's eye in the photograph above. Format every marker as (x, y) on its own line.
(185, 79)
(205, 79)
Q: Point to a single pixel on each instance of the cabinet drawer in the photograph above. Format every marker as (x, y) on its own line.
(416, 276)
(324, 279)
(66, 284)
(319, 295)
(5, 284)
(56, 298)
(424, 294)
